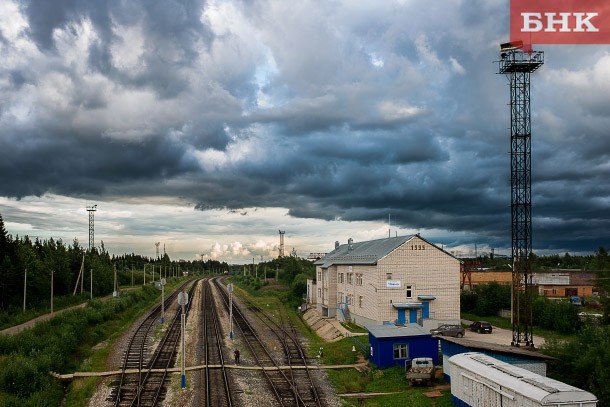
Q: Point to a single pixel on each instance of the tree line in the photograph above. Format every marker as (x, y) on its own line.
(33, 264)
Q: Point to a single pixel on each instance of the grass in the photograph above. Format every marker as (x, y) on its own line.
(391, 381)
(353, 327)
(16, 316)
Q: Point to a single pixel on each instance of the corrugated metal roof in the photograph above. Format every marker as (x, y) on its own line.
(393, 331)
(495, 347)
(368, 252)
(541, 389)
(363, 252)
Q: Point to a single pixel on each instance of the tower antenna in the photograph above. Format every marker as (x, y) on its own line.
(517, 65)
(281, 253)
(91, 209)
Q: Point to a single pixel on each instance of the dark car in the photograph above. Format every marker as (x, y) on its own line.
(448, 330)
(482, 327)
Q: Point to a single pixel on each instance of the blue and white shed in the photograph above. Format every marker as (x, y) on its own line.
(479, 380)
(392, 345)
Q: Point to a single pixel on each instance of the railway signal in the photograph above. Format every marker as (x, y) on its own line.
(161, 286)
(183, 299)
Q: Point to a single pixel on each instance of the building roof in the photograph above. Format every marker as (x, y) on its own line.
(494, 347)
(368, 252)
(510, 378)
(393, 331)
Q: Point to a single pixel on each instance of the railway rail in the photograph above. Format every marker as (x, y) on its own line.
(147, 388)
(290, 388)
(217, 384)
(294, 354)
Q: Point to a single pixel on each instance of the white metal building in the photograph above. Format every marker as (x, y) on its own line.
(398, 280)
(479, 380)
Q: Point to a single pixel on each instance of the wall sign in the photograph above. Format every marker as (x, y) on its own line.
(393, 284)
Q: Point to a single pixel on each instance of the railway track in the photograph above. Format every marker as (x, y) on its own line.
(291, 387)
(217, 384)
(147, 388)
(294, 354)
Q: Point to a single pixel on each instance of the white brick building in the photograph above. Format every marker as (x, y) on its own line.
(392, 280)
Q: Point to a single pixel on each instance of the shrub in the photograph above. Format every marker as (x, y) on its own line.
(20, 376)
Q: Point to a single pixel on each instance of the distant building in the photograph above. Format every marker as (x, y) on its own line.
(394, 280)
(552, 283)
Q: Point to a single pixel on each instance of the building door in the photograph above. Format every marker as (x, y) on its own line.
(401, 317)
(425, 311)
(413, 315)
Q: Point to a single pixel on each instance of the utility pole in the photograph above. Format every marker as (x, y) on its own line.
(25, 284)
(116, 292)
(230, 289)
(52, 271)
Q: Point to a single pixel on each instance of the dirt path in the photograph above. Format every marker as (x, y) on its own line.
(32, 322)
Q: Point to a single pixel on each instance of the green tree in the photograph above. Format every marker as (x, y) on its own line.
(583, 361)
(491, 297)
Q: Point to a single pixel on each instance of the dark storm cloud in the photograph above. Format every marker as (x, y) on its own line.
(76, 167)
(333, 111)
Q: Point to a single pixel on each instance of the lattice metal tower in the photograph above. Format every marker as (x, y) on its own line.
(91, 210)
(518, 65)
(282, 233)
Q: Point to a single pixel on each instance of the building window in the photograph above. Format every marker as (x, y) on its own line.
(554, 291)
(341, 278)
(401, 351)
(358, 279)
(319, 276)
(319, 292)
(350, 299)
(388, 276)
(349, 278)
(360, 301)
(409, 291)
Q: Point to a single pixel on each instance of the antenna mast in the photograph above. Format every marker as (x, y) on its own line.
(91, 209)
(517, 65)
(281, 253)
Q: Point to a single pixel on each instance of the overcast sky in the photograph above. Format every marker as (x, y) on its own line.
(210, 125)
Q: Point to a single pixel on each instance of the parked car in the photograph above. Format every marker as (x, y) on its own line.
(482, 327)
(448, 330)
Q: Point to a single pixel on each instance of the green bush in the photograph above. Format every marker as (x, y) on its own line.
(52, 346)
(560, 316)
(486, 299)
(20, 376)
(582, 361)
